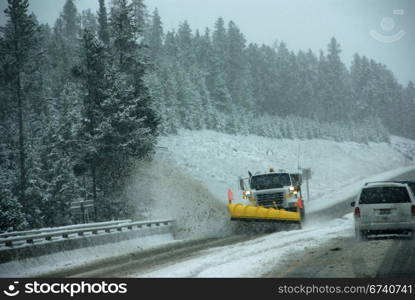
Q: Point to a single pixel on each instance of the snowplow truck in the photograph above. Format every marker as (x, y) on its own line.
(274, 196)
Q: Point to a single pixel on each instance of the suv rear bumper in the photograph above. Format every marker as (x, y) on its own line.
(387, 226)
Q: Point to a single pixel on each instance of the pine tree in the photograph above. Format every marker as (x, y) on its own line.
(337, 85)
(307, 73)
(130, 58)
(170, 45)
(91, 73)
(186, 53)
(409, 109)
(139, 16)
(70, 22)
(18, 39)
(124, 35)
(103, 30)
(237, 72)
(89, 21)
(220, 41)
(285, 81)
(63, 46)
(170, 88)
(119, 125)
(155, 37)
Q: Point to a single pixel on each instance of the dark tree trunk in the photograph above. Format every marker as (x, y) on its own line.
(94, 189)
(22, 153)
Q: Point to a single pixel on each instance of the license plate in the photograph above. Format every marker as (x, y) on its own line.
(384, 212)
(385, 218)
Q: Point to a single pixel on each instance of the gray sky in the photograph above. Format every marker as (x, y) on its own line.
(302, 24)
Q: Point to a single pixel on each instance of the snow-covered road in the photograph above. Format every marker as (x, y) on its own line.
(253, 258)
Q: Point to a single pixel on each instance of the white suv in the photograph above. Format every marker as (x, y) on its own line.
(385, 208)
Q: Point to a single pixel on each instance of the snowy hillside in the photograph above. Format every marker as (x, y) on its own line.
(218, 159)
(193, 170)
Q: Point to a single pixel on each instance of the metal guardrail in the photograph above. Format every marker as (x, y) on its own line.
(53, 229)
(96, 229)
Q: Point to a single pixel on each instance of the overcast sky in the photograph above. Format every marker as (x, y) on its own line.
(380, 29)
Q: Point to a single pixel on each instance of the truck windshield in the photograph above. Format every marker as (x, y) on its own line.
(270, 181)
(379, 195)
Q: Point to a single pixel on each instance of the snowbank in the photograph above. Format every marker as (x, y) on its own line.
(36, 266)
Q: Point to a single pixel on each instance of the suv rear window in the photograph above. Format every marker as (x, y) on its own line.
(388, 194)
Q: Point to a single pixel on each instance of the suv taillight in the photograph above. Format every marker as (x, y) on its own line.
(357, 212)
(413, 210)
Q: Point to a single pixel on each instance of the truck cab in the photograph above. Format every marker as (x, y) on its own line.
(280, 190)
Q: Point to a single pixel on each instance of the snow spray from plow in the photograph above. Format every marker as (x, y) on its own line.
(164, 189)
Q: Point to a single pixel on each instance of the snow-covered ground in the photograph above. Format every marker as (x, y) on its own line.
(32, 267)
(256, 257)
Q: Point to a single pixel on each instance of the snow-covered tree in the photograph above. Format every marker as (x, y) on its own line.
(18, 44)
(103, 29)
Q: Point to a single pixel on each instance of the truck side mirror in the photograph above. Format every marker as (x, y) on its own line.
(241, 184)
(353, 203)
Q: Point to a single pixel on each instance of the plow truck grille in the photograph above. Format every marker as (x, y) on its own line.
(267, 200)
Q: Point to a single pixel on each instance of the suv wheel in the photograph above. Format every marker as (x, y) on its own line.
(360, 235)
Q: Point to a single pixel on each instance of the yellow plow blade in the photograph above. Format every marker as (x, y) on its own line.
(254, 213)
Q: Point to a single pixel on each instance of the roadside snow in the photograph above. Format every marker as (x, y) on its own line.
(35, 266)
(255, 257)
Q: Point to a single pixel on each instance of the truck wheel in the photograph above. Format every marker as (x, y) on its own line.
(299, 225)
(302, 213)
